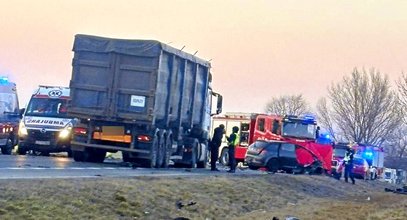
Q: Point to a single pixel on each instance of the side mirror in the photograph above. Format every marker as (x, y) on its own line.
(21, 113)
(219, 104)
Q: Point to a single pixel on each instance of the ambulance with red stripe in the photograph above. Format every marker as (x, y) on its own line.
(46, 127)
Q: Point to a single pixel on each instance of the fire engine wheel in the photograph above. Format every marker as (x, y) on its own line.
(272, 165)
(6, 149)
(224, 157)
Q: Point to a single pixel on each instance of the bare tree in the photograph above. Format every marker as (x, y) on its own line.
(363, 108)
(287, 105)
(397, 142)
(325, 119)
(402, 96)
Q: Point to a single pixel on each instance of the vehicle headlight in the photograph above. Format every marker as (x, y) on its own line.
(66, 132)
(22, 130)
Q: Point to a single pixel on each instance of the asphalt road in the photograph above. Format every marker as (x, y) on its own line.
(57, 166)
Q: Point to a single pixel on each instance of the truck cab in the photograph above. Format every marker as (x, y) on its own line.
(9, 115)
(45, 127)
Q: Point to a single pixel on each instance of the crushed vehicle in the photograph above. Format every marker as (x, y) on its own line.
(45, 127)
(290, 156)
(298, 130)
(144, 98)
(10, 115)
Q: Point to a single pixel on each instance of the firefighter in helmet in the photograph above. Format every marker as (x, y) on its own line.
(348, 163)
(233, 140)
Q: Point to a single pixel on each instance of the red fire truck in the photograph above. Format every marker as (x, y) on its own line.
(252, 127)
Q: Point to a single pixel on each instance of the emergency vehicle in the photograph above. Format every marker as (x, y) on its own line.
(45, 127)
(373, 155)
(254, 127)
(9, 115)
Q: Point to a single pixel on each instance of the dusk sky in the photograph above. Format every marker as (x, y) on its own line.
(258, 49)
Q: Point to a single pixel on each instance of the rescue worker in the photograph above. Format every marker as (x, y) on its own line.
(348, 162)
(215, 144)
(233, 140)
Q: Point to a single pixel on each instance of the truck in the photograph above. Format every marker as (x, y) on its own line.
(301, 131)
(10, 115)
(45, 127)
(144, 98)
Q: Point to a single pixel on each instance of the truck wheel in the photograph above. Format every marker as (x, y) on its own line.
(8, 148)
(21, 151)
(193, 163)
(80, 156)
(204, 163)
(154, 153)
(97, 156)
(272, 165)
(224, 157)
(69, 152)
(161, 151)
(126, 157)
(167, 155)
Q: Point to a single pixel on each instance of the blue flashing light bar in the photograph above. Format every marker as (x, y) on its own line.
(4, 80)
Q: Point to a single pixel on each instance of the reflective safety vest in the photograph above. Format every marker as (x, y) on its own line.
(236, 141)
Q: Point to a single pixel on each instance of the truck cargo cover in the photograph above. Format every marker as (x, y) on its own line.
(131, 47)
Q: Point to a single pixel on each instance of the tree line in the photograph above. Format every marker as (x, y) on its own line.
(363, 107)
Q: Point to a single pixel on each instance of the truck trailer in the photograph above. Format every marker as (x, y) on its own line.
(144, 98)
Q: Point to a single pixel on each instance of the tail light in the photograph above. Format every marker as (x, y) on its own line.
(144, 138)
(80, 131)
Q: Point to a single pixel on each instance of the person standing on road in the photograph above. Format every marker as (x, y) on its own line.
(233, 140)
(215, 144)
(348, 162)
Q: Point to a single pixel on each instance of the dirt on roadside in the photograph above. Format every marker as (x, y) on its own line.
(200, 197)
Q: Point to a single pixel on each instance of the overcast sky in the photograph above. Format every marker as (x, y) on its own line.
(258, 49)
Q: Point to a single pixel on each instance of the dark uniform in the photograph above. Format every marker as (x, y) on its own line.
(233, 140)
(348, 161)
(215, 144)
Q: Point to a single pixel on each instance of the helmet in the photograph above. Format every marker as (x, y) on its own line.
(235, 129)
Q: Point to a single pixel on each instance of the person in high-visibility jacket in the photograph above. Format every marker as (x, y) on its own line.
(348, 162)
(233, 141)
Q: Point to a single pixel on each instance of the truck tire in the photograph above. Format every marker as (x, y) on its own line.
(204, 163)
(167, 155)
(161, 151)
(152, 162)
(97, 156)
(80, 156)
(8, 148)
(126, 157)
(194, 155)
(21, 151)
(224, 157)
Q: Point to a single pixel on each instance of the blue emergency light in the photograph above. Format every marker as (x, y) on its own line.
(3, 80)
(368, 154)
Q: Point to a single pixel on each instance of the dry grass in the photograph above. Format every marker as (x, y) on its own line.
(216, 197)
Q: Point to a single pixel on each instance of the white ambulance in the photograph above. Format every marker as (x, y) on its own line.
(46, 127)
